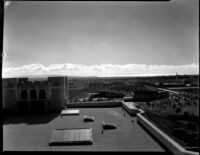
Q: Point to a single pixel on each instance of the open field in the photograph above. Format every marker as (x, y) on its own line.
(193, 90)
(79, 87)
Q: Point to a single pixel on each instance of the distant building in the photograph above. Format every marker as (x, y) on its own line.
(143, 94)
(104, 95)
(34, 94)
(173, 84)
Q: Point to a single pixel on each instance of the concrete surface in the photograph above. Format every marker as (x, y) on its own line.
(32, 132)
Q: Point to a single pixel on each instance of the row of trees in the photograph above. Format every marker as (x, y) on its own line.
(175, 105)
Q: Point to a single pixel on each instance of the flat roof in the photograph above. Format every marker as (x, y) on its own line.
(32, 132)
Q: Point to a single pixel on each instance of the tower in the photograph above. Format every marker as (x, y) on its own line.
(10, 96)
(56, 91)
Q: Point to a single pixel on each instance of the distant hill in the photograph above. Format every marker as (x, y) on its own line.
(114, 77)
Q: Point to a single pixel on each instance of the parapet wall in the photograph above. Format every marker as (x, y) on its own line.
(173, 146)
(130, 108)
(94, 104)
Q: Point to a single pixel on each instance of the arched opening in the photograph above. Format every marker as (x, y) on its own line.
(24, 94)
(37, 105)
(23, 103)
(42, 94)
(33, 94)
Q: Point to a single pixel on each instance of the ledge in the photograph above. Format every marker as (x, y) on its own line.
(94, 104)
(173, 146)
(131, 108)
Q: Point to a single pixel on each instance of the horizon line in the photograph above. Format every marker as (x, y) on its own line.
(115, 76)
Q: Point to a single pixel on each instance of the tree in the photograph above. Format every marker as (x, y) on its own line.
(195, 104)
(178, 110)
(191, 125)
(186, 113)
(188, 103)
(174, 106)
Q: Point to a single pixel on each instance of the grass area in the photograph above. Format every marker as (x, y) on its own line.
(188, 90)
(183, 129)
(75, 94)
(80, 87)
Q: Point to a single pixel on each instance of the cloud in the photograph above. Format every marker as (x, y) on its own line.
(99, 70)
(4, 55)
(7, 3)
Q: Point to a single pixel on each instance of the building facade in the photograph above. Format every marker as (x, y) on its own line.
(34, 94)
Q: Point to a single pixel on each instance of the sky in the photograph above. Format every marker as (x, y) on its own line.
(101, 38)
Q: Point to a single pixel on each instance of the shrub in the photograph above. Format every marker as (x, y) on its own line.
(186, 113)
(188, 103)
(174, 107)
(191, 126)
(178, 110)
